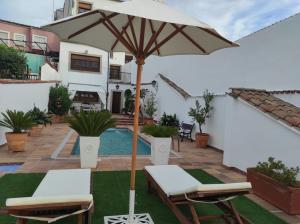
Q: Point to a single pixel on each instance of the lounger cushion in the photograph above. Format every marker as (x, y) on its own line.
(173, 180)
(65, 182)
(31, 201)
(59, 186)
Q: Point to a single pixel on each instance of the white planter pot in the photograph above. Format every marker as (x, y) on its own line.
(89, 147)
(160, 150)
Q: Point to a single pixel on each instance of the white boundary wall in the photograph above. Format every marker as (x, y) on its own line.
(23, 96)
(252, 136)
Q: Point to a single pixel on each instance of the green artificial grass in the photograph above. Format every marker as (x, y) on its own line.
(111, 193)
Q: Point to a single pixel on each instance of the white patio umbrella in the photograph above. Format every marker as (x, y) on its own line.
(141, 28)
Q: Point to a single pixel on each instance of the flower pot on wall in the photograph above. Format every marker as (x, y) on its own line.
(89, 147)
(36, 130)
(282, 196)
(16, 141)
(160, 150)
(202, 140)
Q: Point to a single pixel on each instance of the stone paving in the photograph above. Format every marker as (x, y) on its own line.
(37, 158)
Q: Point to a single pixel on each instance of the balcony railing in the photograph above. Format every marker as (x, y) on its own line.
(21, 77)
(119, 77)
(27, 46)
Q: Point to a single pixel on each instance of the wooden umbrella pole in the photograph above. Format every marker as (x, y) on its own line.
(140, 62)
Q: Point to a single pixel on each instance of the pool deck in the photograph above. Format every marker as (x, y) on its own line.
(53, 149)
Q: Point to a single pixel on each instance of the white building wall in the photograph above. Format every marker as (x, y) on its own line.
(252, 136)
(23, 97)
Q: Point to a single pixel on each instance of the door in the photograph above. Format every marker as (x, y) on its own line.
(116, 102)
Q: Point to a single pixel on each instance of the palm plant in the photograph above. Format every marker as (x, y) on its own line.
(17, 121)
(39, 117)
(92, 123)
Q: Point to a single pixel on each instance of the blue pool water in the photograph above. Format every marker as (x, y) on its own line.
(9, 167)
(117, 142)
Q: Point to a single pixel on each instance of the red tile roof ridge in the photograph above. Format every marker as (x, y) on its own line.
(267, 103)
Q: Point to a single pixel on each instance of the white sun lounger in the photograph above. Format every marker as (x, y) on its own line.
(175, 186)
(61, 193)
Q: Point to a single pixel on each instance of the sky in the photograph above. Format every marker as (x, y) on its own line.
(232, 18)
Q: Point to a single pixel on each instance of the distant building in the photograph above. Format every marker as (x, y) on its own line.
(94, 77)
(38, 44)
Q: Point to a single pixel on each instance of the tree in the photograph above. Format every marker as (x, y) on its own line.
(12, 62)
(59, 100)
(199, 113)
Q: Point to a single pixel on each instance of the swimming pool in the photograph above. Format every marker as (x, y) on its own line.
(117, 141)
(9, 167)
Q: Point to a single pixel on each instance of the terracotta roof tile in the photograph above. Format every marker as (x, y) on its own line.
(268, 103)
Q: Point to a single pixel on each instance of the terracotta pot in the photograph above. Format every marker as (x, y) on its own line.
(202, 140)
(148, 121)
(58, 119)
(36, 130)
(284, 197)
(16, 141)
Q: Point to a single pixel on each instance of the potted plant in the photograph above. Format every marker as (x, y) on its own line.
(59, 103)
(150, 108)
(19, 122)
(169, 120)
(277, 184)
(200, 114)
(90, 125)
(40, 119)
(161, 142)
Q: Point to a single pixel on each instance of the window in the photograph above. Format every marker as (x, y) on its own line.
(19, 39)
(115, 72)
(85, 63)
(39, 42)
(4, 36)
(84, 7)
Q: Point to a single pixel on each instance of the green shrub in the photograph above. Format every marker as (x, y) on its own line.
(277, 170)
(150, 105)
(39, 117)
(12, 62)
(17, 121)
(159, 131)
(92, 123)
(128, 100)
(59, 100)
(169, 120)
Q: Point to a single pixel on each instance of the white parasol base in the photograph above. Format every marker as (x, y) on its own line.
(123, 219)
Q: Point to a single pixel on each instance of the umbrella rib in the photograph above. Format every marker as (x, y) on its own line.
(174, 33)
(191, 40)
(152, 28)
(130, 19)
(142, 37)
(216, 35)
(128, 37)
(113, 29)
(91, 26)
(116, 42)
(154, 36)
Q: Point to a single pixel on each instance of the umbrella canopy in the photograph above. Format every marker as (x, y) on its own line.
(141, 28)
(175, 32)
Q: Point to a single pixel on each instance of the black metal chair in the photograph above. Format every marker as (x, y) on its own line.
(186, 131)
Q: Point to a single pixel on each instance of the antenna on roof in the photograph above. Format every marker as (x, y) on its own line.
(53, 9)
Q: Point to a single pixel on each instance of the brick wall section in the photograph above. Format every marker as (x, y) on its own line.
(267, 103)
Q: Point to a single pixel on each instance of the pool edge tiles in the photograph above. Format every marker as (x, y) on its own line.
(117, 142)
